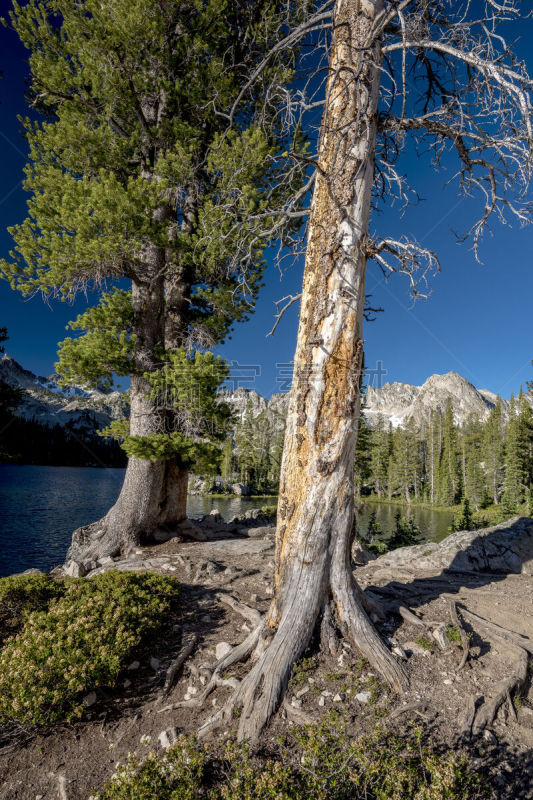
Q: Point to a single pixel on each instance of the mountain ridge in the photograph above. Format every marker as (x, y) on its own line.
(89, 409)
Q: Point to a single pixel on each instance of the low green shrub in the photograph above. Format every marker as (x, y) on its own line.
(21, 594)
(81, 641)
(327, 764)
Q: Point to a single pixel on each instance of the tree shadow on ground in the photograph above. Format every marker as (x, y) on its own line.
(485, 560)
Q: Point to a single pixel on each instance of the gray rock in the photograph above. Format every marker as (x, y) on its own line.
(363, 697)
(155, 663)
(240, 489)
(260, 532)
(89, 700)
(133, 666)
(75, 569)
(504, 548)
(222, 649)
(525, 716)
(253, 518)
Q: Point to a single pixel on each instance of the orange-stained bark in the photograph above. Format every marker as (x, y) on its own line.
(313, 578)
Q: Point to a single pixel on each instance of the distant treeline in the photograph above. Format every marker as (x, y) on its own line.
(438, 462)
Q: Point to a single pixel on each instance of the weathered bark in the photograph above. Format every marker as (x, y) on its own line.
(154, 493)
(316, 498)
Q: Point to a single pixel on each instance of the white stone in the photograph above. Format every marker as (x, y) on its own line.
(337, 698)
(448, 682)
(399, 651)
(222, 649)
(192, 690)
(296, 703)
(167, 738)
(321, 700)
(363, 697)
(302, 691)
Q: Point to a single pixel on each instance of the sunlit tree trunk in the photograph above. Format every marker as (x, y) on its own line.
(313, 577)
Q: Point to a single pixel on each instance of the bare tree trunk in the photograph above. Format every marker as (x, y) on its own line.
(316, 499)
(154, 493)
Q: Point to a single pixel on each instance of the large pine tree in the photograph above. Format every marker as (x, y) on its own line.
(151, 164)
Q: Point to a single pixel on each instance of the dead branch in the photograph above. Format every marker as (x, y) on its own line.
(183, 654)
(465, 639)
(249, 613)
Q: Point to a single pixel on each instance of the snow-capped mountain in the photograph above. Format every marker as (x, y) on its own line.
(396, 402)
(48, 403)
(91, 409)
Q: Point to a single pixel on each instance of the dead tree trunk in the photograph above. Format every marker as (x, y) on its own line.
(313, 576)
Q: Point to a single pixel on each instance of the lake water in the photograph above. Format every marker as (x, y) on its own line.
(41, 506)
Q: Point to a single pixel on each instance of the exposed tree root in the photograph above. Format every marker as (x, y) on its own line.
(487, 712)
(249, 613)
(245, 573)
(419, 706)
(183, 654)
(264, 686)
(236, 654)
(498, 632)
(515, 644)
(465, 639)
(465, 724)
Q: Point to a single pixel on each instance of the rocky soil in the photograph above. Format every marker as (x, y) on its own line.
(226, 573)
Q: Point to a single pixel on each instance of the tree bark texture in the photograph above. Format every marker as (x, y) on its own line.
(316, 498)
(154, 493)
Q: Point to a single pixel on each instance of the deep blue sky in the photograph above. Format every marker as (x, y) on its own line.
(478, 320)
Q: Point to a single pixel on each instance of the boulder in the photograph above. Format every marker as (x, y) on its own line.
(253, 518)
(504, 548)
(241, 489)
(75, 569)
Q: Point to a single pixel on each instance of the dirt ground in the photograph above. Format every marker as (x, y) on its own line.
(71, 761)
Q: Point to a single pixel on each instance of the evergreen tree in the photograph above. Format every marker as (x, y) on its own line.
(380, 446)
(493, 451)
(406, 460)
(226, 469)
(474, 477)
(449, 486)
(363, 455)
(514, 483)
(135, 173)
